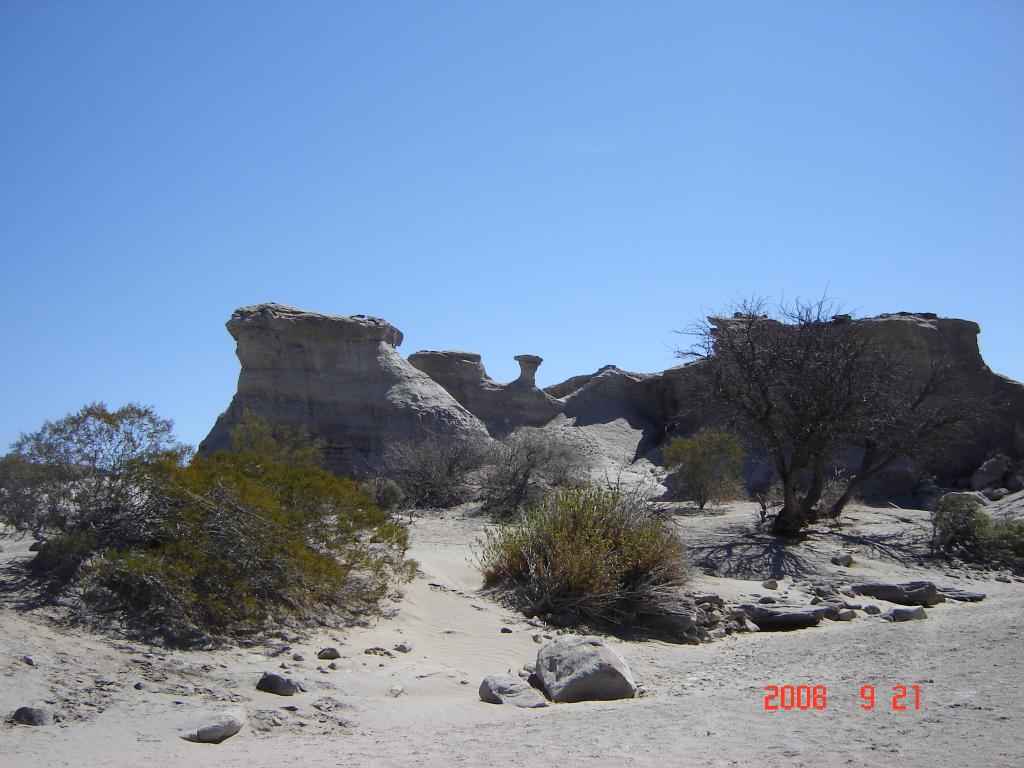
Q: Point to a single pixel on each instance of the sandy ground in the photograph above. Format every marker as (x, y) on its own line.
(703, 705)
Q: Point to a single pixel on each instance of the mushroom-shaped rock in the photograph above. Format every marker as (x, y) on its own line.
(574, 668)
(218, 727)
(271, 682)
(501, 407)
(528, 365)
(909, 593)
(510, 689)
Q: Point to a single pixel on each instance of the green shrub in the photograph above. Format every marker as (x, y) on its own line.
(706, 466)
(961, 525)
(526, 465)
(958, 522)
(231, 543)
(1005, 542)
(79, 472)
(586, 553)
(246, 541)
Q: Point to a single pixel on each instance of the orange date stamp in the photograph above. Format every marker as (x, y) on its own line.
(804, 697)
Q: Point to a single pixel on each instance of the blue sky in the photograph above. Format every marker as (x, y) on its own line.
(573, 180)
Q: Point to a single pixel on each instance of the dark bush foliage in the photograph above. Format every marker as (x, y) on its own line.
(434, 472)
(587, 553)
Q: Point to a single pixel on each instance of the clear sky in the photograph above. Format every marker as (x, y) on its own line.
(573, 180)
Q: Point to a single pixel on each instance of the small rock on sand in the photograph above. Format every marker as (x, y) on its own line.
(505, 689)
(328, 653)
(218, 727)
(905, 614)
(271, 682)
(31, 716)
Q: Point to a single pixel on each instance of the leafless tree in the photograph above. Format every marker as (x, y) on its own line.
(804, 381)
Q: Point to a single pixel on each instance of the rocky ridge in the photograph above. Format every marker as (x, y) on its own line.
(343, 378)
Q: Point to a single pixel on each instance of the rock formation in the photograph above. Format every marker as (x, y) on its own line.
(343, 378)
(339, 376)
(501, 407)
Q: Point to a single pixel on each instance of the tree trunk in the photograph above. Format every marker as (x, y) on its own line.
(869, 468)
(856, 483)
(790, 519)
(814, 492)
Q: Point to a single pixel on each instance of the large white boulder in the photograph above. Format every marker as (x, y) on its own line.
(574, 668)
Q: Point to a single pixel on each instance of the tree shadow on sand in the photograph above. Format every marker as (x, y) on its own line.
(749, 554)
(21, 589)
(905, 547)
(746, 553)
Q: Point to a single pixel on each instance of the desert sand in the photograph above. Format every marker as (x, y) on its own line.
(700, 706)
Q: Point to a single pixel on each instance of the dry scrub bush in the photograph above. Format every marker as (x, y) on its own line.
(230, 544)
(587, 554)
(434, 472)
(527, 465)
(707, 466)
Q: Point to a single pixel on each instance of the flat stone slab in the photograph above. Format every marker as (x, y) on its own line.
(961, 595)
(909, 593)
(774, 618)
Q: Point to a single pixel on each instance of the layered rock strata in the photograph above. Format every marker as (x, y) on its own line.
(341, 377)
